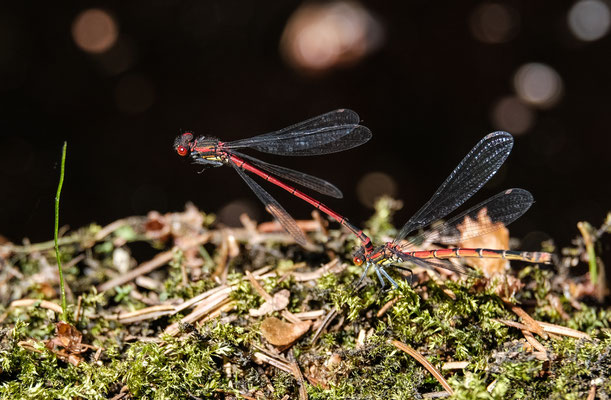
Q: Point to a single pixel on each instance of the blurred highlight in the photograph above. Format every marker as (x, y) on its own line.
(511, 115)
(373, 186)
(538, 84)
(589, 19)
(321, 36)
(94, 31)
(118, 58)
(494, 23)
(230, 213)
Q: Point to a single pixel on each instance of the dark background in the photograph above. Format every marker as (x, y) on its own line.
(427, 93)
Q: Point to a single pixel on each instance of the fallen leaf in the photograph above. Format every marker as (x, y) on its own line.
(280, 333)
(157, 226)
(508, 286)
(498, 238)
(278, 302)
(67, 343)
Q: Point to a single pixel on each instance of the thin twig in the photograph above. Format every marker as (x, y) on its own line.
(332, 314)
(455, 365)
(530, 338)
(314, 314)
(77, 312)
(592, 393)
(292, 368)
(219, 301)
(42, 303)
(333, 266)
(143, 314)
(387, 306)
(549, 328)
(148, 266)
(425, 363)
(113, 226)
(528, 320)
(303, 393)
(268, 297)
(564, 331)
(321, 222)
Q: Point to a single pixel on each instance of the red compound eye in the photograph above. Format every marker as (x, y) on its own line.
(358, 261)
(181, 150)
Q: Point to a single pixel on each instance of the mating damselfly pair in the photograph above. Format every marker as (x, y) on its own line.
(340, 130)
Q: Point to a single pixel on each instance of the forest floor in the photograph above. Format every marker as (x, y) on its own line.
(175, 307)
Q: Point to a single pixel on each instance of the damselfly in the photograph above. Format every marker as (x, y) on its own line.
(332, 132)
(478, 166)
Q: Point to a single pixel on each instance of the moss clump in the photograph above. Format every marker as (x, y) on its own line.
(227, 356)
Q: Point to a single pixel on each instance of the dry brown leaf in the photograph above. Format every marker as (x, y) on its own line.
(157, 226)
(507, 286)
(333, 361)
(278, 302)
(67, 343)
(496, 239)
(280, 333)
(177, 225)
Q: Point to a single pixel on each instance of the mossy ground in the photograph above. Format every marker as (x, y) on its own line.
(353, 358)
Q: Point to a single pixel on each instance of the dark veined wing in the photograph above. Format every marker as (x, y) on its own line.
(301, 178)
(328, 133)
(274, 208)
(494, 213)
(478, 166)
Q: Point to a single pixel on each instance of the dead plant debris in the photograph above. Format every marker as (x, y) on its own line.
(231, 313)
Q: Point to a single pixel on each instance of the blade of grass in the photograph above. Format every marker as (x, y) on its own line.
(57, 255)
(588, 239)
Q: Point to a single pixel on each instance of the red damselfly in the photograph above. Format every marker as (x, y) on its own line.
(328, 133)
(478, 166)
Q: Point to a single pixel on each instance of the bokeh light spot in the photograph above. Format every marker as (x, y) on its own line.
(494, 23)
(94, 31)
(374, 185)
(119, 58)
(589, 19)
(538, 84)
(134, 94)
(322, 36)
(230, 213)
(511, 115)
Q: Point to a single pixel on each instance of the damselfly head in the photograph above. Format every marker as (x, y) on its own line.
(182, 143)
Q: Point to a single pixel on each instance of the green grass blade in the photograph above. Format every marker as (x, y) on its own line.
(59, 264)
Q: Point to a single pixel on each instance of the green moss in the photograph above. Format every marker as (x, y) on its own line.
(590, 319)
(453, 322)
(171, 369)
(380, 222)
(377, 371)
(244, 295)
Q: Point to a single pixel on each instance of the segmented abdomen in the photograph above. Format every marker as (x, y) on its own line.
(528, 256)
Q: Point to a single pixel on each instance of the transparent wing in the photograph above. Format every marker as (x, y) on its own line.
(328, 133)
(478, 166)
(494, 213)
(274, 208)
(430, 263)
(301, 178)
